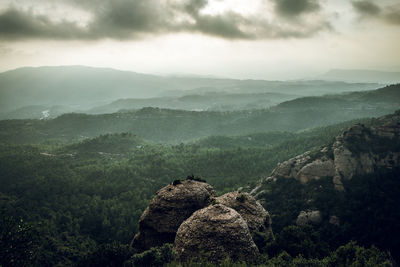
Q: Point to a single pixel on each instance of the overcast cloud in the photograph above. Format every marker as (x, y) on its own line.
(369, 9)
(267, 39)
(133, 19)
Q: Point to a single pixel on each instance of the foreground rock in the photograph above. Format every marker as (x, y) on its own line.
(256, 217)
(169, 208)
(215, 233)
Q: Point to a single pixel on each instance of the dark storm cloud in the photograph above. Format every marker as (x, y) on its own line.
(393, 16)
(130, 19)
(125, 19)
(368, 9)
(225, 26)
(15, 24)
(294, 8)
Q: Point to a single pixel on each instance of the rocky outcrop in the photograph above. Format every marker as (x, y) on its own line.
(291, 167)
(305, 168)
(215, 233)
(256, 217)
(316, 169)
(358, 151)
(201, 225)
(169, 208)
(309, 217)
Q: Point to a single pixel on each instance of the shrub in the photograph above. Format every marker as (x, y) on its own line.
(157, 256)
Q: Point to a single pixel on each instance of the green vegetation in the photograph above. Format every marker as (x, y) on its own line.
(85, 199)
(81, 203)
(372, 198)
(73, 188)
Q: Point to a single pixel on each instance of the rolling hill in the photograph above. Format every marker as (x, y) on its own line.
(175, 126)
(79, 88)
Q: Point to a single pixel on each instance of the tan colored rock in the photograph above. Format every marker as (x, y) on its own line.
(256, 217)
(309, 217)
(215, 233)
(169, 208)
(291, 167)
(345, 162)
(316, 170)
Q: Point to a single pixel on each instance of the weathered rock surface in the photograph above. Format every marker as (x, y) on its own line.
(316, 169)
(309, 217)
(256, 217)
(169, 208)
(215, 233)
(291, 167)
(358, 151)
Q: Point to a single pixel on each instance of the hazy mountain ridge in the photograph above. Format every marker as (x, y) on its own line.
(80, 88)
(390, 95)
(175, 126)
(217, 101)
(362, 76)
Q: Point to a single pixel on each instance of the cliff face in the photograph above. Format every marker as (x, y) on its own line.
(358, 151)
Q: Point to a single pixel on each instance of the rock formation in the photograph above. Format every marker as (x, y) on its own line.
(309, 217)
(215, 233)
(358, 151)
(169, 208)
(202, 226)
(256, 217)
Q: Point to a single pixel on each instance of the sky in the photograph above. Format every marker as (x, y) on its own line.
(255, 39)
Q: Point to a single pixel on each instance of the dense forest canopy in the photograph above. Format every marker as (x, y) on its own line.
(74, 187)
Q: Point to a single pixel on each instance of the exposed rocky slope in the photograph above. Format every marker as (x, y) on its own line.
(169, 208)
(215, 233)
(358, 151)
(210, 227)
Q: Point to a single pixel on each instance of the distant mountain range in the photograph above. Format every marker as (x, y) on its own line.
(175, 126)
(368, 76)
(28, 91)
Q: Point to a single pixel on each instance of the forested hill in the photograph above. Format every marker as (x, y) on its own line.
(79, 204)
(175, 126)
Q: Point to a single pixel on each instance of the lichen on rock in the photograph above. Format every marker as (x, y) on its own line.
(215, 233)
(172, 205)
(256, 217)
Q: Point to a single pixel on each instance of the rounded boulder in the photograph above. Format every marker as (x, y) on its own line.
(172, 205)
(214, 234)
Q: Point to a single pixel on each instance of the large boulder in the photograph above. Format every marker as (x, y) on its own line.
(256, 217)
(172, 205)
(309, 217)
(215, 233)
